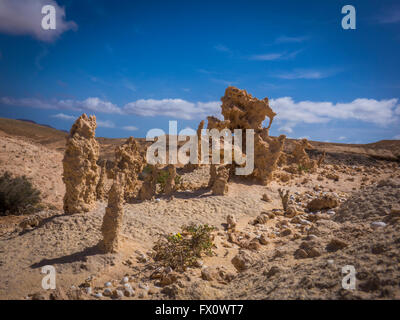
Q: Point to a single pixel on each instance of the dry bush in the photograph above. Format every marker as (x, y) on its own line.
(17, 195)
(182, 250)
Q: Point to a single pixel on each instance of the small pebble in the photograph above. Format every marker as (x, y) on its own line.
(378, 224)
(108, 284)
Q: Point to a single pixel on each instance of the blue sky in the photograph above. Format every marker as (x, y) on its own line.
(136, 65)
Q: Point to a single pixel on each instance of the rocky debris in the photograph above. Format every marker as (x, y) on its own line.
(266, 198)
(112, 220)
(170, 183)
(307, 249)
(323, 202)
(129, 161)
(219, 274)
(220, 185)
(242, 261)
(378, 224)
(100, 188)
(335, 245)
(149, 186)
(231, 222)
(81, 172)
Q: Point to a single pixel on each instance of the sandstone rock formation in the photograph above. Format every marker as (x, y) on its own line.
(300, 156)
(149, 186)
(242, 111)
(100, 188)
(170, 183)
(129, 161)
(220, 185)
(112, 220)
(81, 172)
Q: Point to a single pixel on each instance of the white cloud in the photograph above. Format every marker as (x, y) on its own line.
(290, 113)
(63, 116)
(105, 124)
(176, 108)
(305, 74)
(341, 138)
(396, 137)
(90, 104)
(130, 128)
(24, 17)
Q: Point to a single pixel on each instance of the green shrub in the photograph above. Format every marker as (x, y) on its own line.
(182, 250)
(17, 195)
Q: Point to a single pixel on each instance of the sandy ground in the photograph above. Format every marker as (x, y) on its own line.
(69, 243)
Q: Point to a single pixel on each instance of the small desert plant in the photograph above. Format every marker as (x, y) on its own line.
(301, 168)
(17, 195)
(182, 250)
(163, 178)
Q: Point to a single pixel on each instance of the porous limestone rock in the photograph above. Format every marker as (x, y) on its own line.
(149, 186)
(242, 111)
(100, 188)
(170, 183)
(220, 186)
(300, 156)
(112, 220)
(81, 172)
(129, 161)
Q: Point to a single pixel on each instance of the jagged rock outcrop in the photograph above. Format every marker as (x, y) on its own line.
(242, 111)
(129, 161)
(266, 156)
(112, 220)
(170, 183)
(81, 172)
(149, 186)
(300, 156)
(220, 185)
(100, 188)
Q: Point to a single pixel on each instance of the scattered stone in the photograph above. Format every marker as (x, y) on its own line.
(335, 245)
(242, 261)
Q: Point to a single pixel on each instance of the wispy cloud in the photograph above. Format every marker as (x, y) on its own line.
(222, 48)
(63, 116)
(306, 74)
(287, 39)
(275, 56)
(130, 128)
(396, 137)
(390, 14)
(23, 17)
